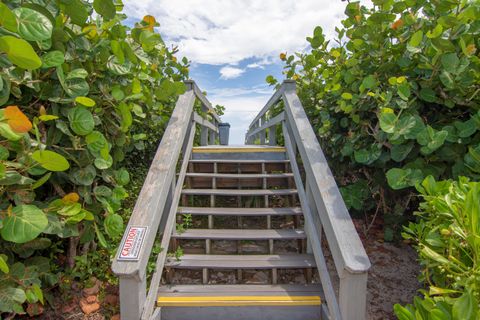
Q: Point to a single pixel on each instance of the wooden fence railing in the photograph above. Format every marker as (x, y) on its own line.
(321, 202)
(154, 213)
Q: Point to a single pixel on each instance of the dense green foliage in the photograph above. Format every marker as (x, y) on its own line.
(395, 98)
(75, 85)
(447, 238)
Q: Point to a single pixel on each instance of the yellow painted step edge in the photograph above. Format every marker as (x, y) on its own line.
(238, 301)
(237, 150)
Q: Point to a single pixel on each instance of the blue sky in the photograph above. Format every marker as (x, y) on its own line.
(234, 44)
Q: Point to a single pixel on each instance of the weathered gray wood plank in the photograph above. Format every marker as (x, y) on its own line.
(167, 232)
(275, 120)
(205, 123)
(240, 161)
(239, 211)
(241, 234)
(240, 290)
(212, 261)
(243, 192)
(152, 197)
(347, 249)
(271, 102)
(239, 176)
(313, 231)
(199, 94)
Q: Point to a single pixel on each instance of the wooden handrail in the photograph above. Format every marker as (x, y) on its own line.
(155, 201)
(351, 261)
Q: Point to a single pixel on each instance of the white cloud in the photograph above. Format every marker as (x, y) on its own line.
(226, 32)
(255, 66)
(229, 72)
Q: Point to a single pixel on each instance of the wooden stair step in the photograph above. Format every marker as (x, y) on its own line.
(239, 175)
(238, 295)
(241, 234)
(212, 261)
(295, 211)
(240, 161)
(239, 192)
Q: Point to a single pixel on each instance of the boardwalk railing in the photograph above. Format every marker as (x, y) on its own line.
(153, 216)
(321, 202)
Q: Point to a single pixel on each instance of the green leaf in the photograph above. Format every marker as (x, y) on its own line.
(403, 313)
(450, 62)
(3, 264)
(367, 156)
(51, 160)
(447, 79)
(347, 96)
(399, 152)
(416, 39)
(84, 176)
(11, 299)
(40, 182)
(355, 194)
(403, 178)
(77, 11)
(105, 8)
(102, 163)
(24, 224)
(387, 121)
(32, 25)
(369, 82)
(436, 32)
(428, 94)
(81, 121)
(100, 237)
(53, 59)
(85, 101)
(122, 177)
(465, 129)
(113, 225)
(7, 19)
(20, 52)
(404, 90)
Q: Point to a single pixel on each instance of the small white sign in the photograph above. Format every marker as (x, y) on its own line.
(132, 244)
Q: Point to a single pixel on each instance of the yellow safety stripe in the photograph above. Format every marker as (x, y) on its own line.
(237, 150)
(238, 301)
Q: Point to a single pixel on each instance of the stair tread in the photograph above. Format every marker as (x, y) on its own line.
(241, 234)
(239, 211)
(235, 161)
(239, 175)
(212, 261)
(239, 295)
(239, 192)
(240, 289)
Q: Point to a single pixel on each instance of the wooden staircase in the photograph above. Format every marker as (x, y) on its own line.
(241, 230)
(223, 181)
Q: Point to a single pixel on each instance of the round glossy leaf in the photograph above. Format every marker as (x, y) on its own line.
(51, 160)
(53, 59)
(75, 87)
(96, 142)
(81, 121)
(102, 163)
(7, 19)
(113, 225)
(32, 25)
(85, 101)
(84, 176)
(24, 224)
(20, 52)
(122, 177)
(105, 8)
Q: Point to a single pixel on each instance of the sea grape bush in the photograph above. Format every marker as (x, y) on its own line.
(79, 91)
(447, 238)
(394, 98)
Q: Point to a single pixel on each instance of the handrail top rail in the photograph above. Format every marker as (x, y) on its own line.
(153, 195)
(205, 102)
(277, 95)
(349, 253)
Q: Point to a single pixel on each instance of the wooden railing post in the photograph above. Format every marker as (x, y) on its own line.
(352, 295)
(204, 136)
(262, 133)
(133, 292)
(272, 135)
